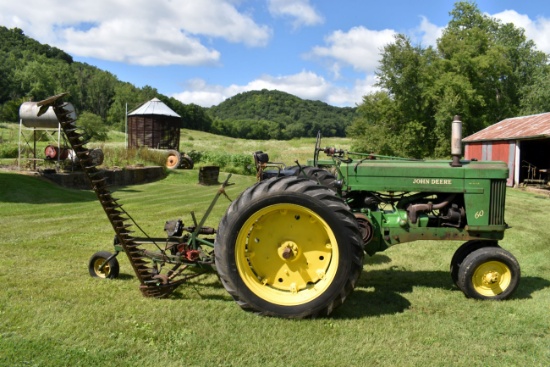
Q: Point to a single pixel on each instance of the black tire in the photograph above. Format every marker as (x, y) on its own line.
(309, 223)
(186, 162)
(489, 273)
(464, 250)
(319, 175)
(109, 271)
(97, 157)
(173, 159)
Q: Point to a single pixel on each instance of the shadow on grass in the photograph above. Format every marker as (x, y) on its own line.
(123, 189)
(21, 188)
(390, 284)
(201, 285)
(122, 276)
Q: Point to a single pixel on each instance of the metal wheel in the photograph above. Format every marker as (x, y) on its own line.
(109, 271)
(97, 156)
(489, 273)
(173, 159)
(287, 271)
(186, 162)
(289, 248)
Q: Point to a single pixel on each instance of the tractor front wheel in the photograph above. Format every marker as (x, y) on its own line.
(489, 273)
(464, 250)
(97, 268)
(290, 248)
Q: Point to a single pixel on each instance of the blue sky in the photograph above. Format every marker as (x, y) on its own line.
(204, 51)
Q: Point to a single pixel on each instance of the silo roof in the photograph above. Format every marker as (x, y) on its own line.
(515, 128)
(154, 107)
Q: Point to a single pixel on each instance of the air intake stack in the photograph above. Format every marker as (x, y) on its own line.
(456, 141)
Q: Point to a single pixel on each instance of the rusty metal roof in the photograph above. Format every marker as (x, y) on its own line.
(515, 128)
(154, 107)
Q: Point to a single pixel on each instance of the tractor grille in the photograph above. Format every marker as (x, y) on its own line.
(498, 198)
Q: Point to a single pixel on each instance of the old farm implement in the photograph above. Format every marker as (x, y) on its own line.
(292, 245)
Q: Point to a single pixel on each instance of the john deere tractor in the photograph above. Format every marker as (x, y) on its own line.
(292, 245)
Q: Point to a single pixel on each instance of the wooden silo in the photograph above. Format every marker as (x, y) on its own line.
(154, 125)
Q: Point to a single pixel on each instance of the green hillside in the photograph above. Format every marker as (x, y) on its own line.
(31, 71)
(271, 114)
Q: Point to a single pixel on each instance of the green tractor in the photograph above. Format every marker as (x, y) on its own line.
(292, 245)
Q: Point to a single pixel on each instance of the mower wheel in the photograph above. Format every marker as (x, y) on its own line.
(109, 271)
(489, 273)
(464, 250)
(173, 159)
(290, 248)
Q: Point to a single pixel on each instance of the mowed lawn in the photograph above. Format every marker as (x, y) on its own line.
(405, 310)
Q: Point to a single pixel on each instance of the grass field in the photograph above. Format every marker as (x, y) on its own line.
(405, 310)
(287, 151)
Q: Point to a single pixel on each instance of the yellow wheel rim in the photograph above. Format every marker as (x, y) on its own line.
(286, 254)
(492, 278)
(101, 273)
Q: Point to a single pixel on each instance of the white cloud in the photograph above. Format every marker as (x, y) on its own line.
(299, 10)
(154, 49)
(306, 85)
(219, 18)
(359, 47)
(343, 96)
(428, 32)
(139, 32)
(537, 30)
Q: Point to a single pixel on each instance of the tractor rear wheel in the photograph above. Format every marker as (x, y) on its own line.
(109, 271)
(464, 250)
(489, 273)
(319, 175)
(290, 248)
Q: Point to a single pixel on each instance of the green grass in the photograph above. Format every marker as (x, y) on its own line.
(405, 310)
(209, 145)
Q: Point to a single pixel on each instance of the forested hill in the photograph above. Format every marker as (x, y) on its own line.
(31, 71)
(271, 114)
(14, 41)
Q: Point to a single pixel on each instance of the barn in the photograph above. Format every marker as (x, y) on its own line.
(154, 125)
(523, 142)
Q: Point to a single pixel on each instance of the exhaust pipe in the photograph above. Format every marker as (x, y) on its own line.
(456, 141)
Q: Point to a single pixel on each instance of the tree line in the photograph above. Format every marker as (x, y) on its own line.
(481, 69)
(30, 71)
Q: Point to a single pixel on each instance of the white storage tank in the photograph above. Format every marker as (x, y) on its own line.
(28, 113)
